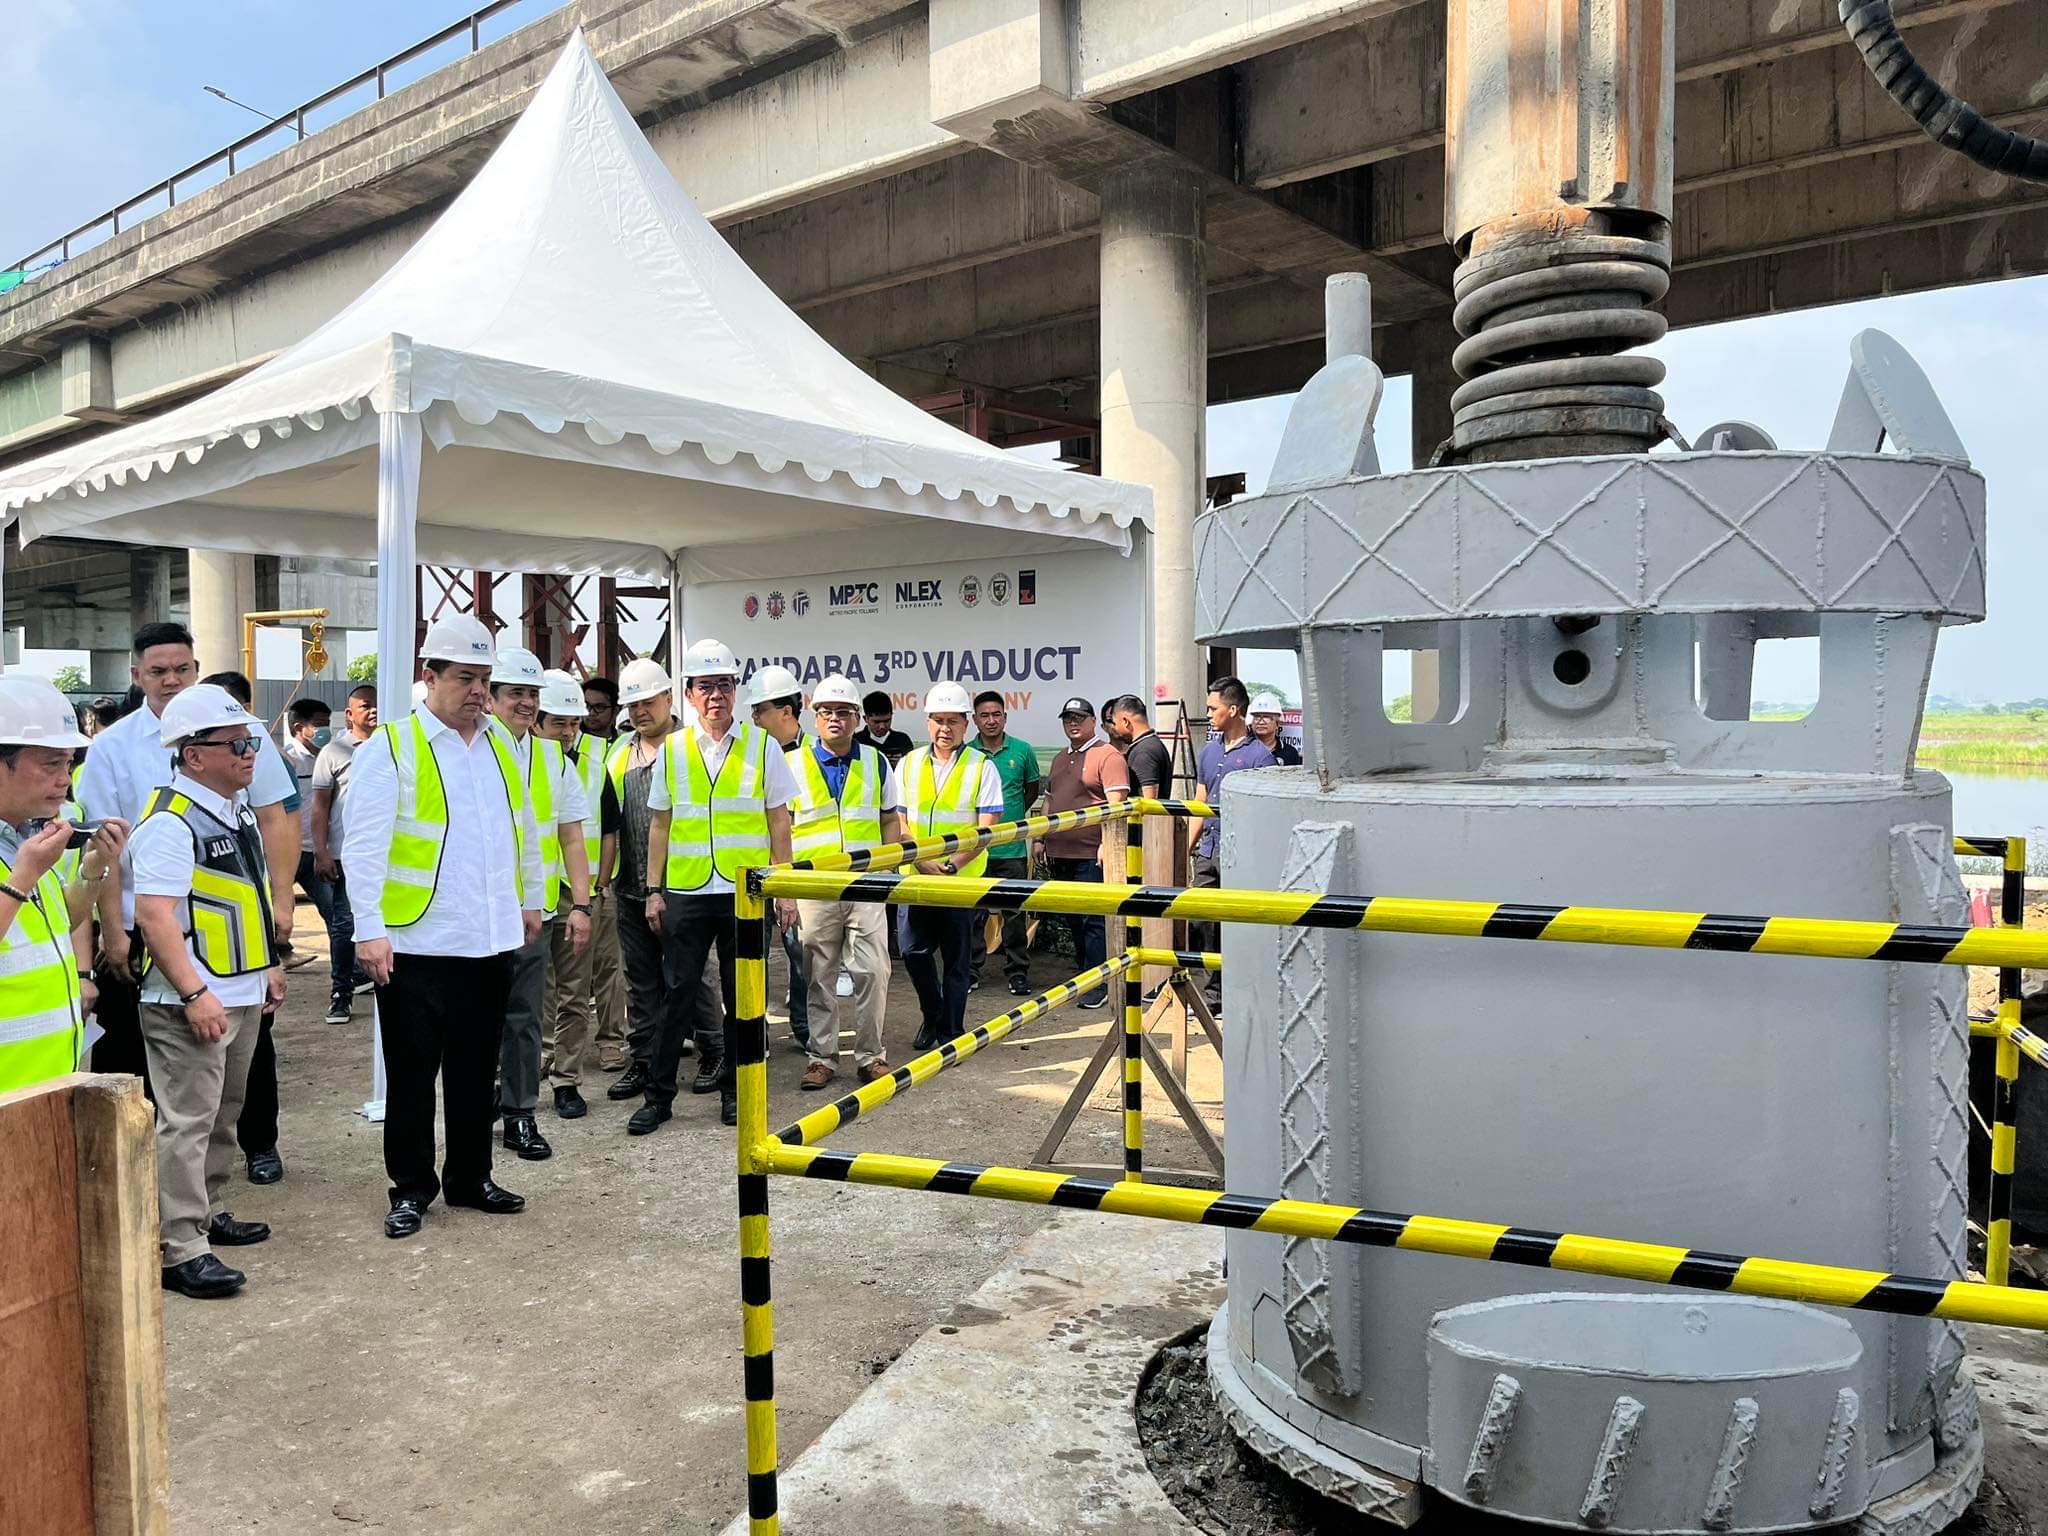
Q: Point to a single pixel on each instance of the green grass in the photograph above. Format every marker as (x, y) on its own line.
(1961, 740)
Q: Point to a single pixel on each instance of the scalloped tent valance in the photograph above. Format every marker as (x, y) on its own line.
(603, 384)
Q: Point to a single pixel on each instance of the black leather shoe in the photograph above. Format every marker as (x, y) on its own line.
(204, 1278)
(647, 1117)
(265, 1167)
(403, 1219)
(631, 1084)
(1020, 986)
(928, 1039)
(706, 1079)
(569, 1104)
(225, 1232)
(524, 1137)
(489, 1199)
(728, 1107)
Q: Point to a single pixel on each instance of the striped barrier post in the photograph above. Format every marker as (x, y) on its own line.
(2005, 1076)
(757, 1322)
(1653, 1263)
(820, 1123)
(1818, 937)
(1134, 1071)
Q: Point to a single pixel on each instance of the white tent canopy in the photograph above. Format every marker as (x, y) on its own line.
(606, 387)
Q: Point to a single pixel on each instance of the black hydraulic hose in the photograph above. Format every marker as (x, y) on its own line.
(1950, 122)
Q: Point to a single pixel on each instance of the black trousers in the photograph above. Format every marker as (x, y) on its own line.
(1205, 874)
(935, 944)
(119, 1014)
(692, 927)
(649, 997)
(442, 1015)
(257, 1128)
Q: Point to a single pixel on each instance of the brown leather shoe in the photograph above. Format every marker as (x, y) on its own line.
(875, 1071)
(816, 1076)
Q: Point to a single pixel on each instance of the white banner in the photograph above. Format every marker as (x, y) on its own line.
(1038, 629)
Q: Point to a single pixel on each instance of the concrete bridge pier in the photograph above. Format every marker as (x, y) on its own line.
(223, 588)
(1155, 390)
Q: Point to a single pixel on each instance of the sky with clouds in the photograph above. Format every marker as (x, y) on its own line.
(106, 96)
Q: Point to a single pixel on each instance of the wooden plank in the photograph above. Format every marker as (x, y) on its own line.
(1177, 1093)
(45, 1448)
(113, 1129)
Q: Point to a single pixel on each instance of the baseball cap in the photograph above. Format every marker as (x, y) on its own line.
(1076, 706)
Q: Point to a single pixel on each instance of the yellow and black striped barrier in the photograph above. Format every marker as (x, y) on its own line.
(893, 855)
(757, 1317)
(1864, 1290)
(820, 1123)
(1180, 959)
(2011, 852)
(1820, 937)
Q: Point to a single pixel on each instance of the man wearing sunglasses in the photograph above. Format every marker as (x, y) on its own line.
(202, 903)
(719, 798)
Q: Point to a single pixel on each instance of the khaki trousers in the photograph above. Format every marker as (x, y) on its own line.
(854, 934)
(567, 1021)
(199, 1087)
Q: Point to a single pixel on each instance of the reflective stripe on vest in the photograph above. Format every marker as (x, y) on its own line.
(951, 806)
(543, 769)
(821, 824)
(227, 920)
(41, 1030)
(720, 825)
(590, 769)
(420, 828)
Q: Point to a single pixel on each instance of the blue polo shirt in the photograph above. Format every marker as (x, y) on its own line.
(1215, 766)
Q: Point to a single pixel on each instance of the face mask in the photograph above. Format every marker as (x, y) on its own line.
(322, 735)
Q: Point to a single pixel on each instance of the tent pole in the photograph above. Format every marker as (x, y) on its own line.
(398, 502)
(678, 642)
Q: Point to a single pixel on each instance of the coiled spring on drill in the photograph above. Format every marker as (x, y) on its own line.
(1543, 324)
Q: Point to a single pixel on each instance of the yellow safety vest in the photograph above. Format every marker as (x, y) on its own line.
(42, 1030)
(227, 921)
(590, 768)
(950, 805)
(821, 824)
(541, 772)
(420, 829)
(718, 826)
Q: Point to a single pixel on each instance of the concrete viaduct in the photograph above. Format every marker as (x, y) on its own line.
(1071, 219)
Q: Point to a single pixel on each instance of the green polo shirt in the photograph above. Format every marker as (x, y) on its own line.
(1017, 766)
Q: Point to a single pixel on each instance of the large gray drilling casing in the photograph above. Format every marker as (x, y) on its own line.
(1795, 1108)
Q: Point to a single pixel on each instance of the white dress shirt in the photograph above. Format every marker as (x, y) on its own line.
(474, 911)
(128, 762)
(778, 783)
(163, 860)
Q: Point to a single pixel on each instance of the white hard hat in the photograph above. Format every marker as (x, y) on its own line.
(774, 681)
(642, 679)
(34, 714)
(1266, 704)
(202, 707)
(459, 637)
(710, 658)
(516, 664)
(836, 690)
(561, 694)
(948, 699)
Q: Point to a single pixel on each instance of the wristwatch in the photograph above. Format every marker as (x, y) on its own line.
(949, 866)
(580, 906)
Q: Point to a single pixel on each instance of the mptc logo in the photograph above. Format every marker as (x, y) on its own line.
(970, 591)
(777, 606)
(853, 594)
(750, 605)
(800, 604)
(999, 588)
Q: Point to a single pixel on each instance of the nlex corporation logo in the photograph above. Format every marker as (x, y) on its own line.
(970, 591)
(777, 605)
(750, 605)
(800, 602)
